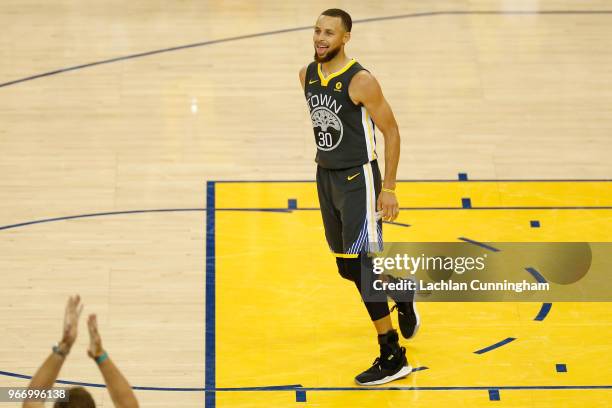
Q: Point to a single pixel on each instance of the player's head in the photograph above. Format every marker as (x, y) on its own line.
(78, 398)
(331, 32)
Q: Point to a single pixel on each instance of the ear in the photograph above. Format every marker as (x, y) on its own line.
(346, 37)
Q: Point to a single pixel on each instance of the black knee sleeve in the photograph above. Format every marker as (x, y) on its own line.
(350, 269)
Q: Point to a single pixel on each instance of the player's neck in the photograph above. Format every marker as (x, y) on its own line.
(336, 64)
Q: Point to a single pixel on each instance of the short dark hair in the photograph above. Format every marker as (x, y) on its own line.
(79, 398)
(347, 21)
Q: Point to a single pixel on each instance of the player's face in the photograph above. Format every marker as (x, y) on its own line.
(328, 38)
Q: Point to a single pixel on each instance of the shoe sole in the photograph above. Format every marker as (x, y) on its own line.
(407, 369)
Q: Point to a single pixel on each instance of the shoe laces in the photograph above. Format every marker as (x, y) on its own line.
(378, 361)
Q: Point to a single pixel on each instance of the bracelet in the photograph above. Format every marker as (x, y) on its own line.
(101, 358)
(58, 350)
(388, 190)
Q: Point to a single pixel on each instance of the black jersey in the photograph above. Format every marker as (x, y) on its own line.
(344, 132)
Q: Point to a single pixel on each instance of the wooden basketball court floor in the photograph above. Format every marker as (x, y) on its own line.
(142, 145)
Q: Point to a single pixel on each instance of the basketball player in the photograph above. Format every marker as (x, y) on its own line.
(345, 102)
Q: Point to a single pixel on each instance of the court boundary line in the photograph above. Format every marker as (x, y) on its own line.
(429, 388)
(210, 335)
(271, 210)
(297, 387)
(101, 214)
(438, 181)
(293, 29)
(287, 210)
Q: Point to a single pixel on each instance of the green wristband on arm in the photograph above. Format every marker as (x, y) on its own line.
(101, 358)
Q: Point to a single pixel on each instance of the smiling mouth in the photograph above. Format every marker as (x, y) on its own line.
(322, 48)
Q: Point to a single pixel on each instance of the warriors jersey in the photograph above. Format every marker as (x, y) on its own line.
(344, 132)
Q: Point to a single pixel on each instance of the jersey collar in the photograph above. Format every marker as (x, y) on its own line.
(325, 81)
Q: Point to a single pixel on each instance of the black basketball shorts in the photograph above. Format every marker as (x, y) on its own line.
(347, 198)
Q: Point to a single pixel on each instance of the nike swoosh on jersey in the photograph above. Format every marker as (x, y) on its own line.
(349, 178)
(312, 82)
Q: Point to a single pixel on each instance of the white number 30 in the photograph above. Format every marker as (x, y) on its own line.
(325, 139)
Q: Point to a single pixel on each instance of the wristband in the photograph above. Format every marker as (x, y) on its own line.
(388, 190)
(58, 350)
(101, 358)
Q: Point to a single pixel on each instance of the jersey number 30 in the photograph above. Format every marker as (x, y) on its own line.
(325, 139)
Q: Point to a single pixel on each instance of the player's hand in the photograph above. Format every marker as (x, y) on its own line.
(388, 205)
(95, 341)
(71, 321)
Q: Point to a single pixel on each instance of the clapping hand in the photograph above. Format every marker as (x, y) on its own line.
(95, 349)
(71, 322)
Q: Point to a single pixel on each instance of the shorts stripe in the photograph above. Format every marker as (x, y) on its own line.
(359, 243)
(372, 224)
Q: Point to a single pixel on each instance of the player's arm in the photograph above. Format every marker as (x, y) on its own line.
(365, 89)
(303, 77)
(47, 373)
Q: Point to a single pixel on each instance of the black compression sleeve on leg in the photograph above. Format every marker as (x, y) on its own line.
(378, 309)
(351, 274)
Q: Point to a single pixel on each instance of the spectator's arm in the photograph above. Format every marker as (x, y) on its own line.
(118, 387)
(47, 373)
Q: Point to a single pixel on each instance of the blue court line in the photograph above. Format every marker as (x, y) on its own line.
(434, 388)
(210, 348)
(464, 388)
(436, 181)
(309, 27)
(292, 387)
(422, 208)
(295, 387)
(480, 244)
(97, 385)
(544, 310)
(72, 217)
(494, 395)
(300, 396)
(537, 275)
(494, 346)
(272, 210)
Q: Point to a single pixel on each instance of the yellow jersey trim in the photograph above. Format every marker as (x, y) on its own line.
(325, 81)
(338, 255)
